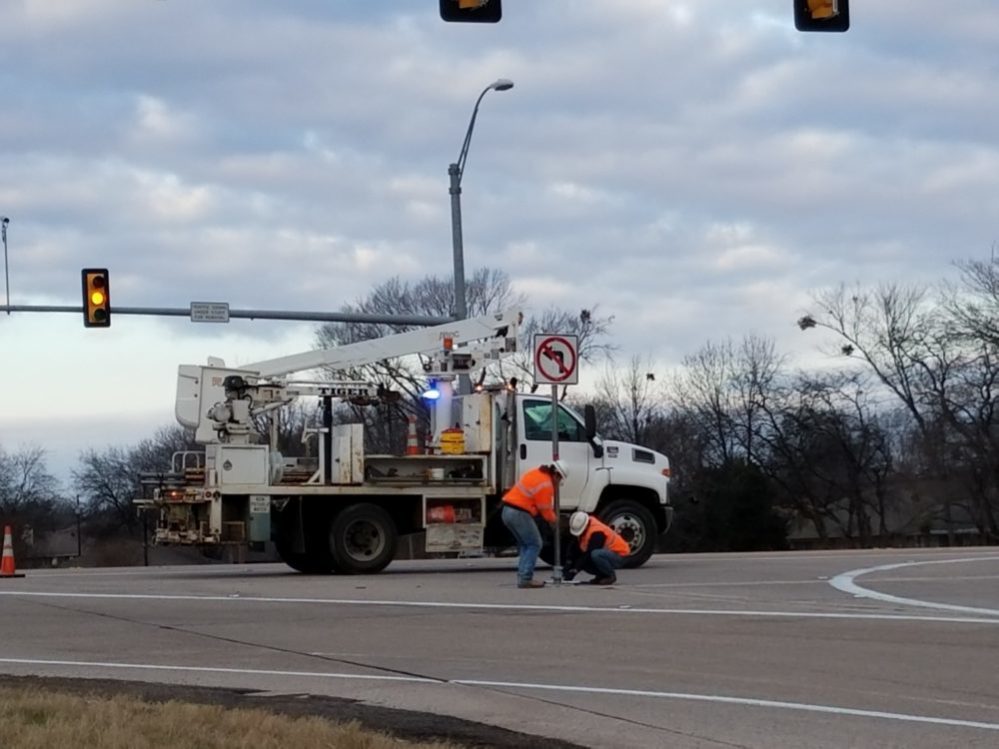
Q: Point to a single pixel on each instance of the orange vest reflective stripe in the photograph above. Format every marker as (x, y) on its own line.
(534, 493)
(613, 541)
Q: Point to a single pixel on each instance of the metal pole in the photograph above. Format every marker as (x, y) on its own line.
(455, 172)
(557, 567)
(6, 273)
(79, 537)
(457, 245)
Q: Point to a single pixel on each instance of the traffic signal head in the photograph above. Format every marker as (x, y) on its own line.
(822, 15)
(96, 298)
(471, 11)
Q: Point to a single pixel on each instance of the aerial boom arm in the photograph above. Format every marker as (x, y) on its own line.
(502, 326)
(481, 339)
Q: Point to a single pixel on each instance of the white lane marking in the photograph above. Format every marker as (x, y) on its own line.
(218, 670)
(804, 706)
(816, 581)
(527, 686)
(622, 609)
(846, 583)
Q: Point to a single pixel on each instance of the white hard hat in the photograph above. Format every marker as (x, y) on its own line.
(577, 523)
(561, 469)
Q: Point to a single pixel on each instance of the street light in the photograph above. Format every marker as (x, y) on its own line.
(6, 274)
(455, 171)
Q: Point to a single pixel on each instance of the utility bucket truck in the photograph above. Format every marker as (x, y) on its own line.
(342, 509)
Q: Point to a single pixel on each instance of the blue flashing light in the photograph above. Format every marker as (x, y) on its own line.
(432, 392)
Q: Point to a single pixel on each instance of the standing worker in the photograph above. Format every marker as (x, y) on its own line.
(532, 497)
(599, 550)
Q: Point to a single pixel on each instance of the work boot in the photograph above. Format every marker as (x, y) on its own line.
(531, 584)
(609, 580)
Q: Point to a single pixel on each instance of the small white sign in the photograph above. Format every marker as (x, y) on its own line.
(260, 504)
(209, 312)
(556, 359)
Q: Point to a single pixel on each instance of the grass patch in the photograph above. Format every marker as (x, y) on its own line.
(32, 718)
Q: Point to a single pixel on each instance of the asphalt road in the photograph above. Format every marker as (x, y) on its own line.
(886, 648)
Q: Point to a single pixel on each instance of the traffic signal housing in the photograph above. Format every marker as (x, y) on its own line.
(96, 298)
(471, 11)
(822, 15)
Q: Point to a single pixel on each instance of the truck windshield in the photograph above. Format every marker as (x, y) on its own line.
(538, 422)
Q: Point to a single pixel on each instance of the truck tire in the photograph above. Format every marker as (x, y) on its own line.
(307, 563)
(636, 525)
(316, 558)
(362, 539)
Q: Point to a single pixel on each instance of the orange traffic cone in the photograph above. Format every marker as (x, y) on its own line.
(412, 442)
(7, 566)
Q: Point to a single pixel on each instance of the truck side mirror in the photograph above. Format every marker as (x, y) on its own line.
(590, 419)
(590, 422)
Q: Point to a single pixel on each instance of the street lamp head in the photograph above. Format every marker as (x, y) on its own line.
(5, 220)
(502, 84)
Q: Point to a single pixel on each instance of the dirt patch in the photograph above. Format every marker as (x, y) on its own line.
(405, 724)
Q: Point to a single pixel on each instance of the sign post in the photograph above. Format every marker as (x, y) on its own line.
(555, 363)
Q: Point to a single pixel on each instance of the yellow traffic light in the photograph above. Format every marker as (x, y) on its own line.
(471, 11)
(96, 298)
(822, 15)
(822, 9)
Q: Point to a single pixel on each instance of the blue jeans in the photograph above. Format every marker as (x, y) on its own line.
(603, 562)
(521, 524)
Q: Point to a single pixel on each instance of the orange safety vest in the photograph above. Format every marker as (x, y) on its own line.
(534, 493)
(613, 541)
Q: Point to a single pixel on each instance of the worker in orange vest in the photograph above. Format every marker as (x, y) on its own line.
(599, 550)
(533, 497)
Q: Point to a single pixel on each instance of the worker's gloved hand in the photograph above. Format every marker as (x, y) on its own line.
(567, 575)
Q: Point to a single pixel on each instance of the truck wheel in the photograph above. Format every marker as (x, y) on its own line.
(363, 539)
(315, 560)
(309, 564)
(636, 525)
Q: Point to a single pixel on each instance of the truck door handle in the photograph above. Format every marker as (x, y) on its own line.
(523, 451)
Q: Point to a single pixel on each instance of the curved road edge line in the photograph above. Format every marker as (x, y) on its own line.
(845, 582)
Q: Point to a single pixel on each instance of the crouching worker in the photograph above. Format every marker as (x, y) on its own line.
(533, 497)
(598, 550)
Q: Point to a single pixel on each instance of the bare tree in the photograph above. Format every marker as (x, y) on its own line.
(830, 453)
(725, 387)
(489, 291)
(630, 401)
(941, 365)
(974, 302)
(25, 482)
(109, 479)
(109, 482)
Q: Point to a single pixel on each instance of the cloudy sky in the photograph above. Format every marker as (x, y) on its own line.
(697, 168)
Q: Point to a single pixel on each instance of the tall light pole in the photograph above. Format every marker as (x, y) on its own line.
(455, 171)
(6, 275)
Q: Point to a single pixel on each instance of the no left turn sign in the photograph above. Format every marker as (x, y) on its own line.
(555, 359)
